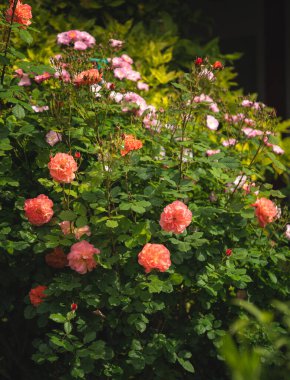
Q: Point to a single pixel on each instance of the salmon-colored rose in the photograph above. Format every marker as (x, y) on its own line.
(38, 210)
(88, 77)
(81, 257)
(68, 228)
(266, 211)
(36, 295)
(56, 259)
(62, 167)
(22, 13)
(175, 217)
(154, 256)
(130, 143)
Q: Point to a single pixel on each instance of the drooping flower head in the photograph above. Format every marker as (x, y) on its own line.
(154, 256)
(56, 258)
(62, 167)
(130, 143)
(266, 211)
(175, 217)
(88, 77)
(81, 257)
(22, 13)
(36, 295)
(38, 210)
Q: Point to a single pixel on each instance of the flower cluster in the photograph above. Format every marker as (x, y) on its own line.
(80, 40)
(130, 143)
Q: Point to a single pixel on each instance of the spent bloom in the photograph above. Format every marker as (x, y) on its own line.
(130, 143)
(62, 167)
(211, 152)
(118, 44)
(175, 217)
(266, 211)
(88, 77)
(53, 138)
(22, 14)
(36, 295)
(56, 259)
(82, 257)
(38, 210)
(229, 142)
(42, 78)
(154, 256)
(38, 109)
(68, 228)
(24, 78)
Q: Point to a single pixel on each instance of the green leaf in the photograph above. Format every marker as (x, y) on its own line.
(25, 36)
(186, 365)
(112, 223)
(67, 215)
(67, 327)
(90, 336)
(58, 318)
(18, 111)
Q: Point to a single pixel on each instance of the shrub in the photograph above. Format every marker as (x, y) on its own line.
(160, 216)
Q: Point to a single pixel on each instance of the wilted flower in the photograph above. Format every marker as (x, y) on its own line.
(40, 108)
(24, 78)
(56, 259)
(41, 78)
(211, 152)
(88, 77)
(53, 137)
(118, 44)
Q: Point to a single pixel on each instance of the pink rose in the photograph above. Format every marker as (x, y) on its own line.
(154, 256)
(175, 217)
(266, 211)
(81, 257)
(38, 210)
(53, 138)
(62, 167)
(212, 123)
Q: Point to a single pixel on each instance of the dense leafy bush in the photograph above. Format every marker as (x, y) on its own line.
(91, 176)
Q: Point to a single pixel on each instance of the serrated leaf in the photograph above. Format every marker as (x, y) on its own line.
(18, 111)
(112, 223)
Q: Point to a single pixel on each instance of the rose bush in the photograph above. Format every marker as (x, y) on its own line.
(142, 218)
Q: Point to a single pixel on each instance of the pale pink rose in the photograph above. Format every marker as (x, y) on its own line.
(82, 257)
(116, 96)
(132, 97)
(40, 108)
(175, 217)
(205, 73)
(142, 86)
(150, 119)
(229, 142)
(247, 103)
(120, 73)
(41, 78)
(287, 232)
(38, 210)
(95, 88)
(250, 132)
(68, 228)
(118, 44)
(258, 106)
(62, 75)
(154, 256)
(127, 59)
(62, 167)
(203, 99)
(134, 76)
(212, 123)
(277, 149)
(214, 108)
(53, 137)
(80, 45)
(211, 152)
(119, 62)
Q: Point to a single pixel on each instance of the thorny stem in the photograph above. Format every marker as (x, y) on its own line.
(8, 40)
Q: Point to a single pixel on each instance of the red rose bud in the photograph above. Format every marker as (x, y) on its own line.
(229, 252)
(77, 155)
(74, 307)
(112, 86)
(198, 61)
(217, 65)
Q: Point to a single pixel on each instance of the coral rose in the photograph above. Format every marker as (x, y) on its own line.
(88, 77)
(81, 257)
(38, 210)
(175, 217)
(22, 13)
(154, 256)
(36, 295)
(68, 228)
(266, 211)
(56, 259)
(62, 167)
(130, 143)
